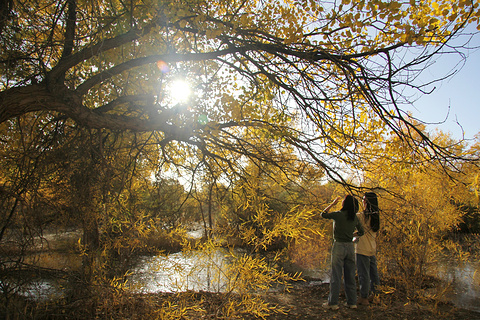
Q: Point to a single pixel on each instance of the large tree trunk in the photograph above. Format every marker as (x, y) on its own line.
(91, 241)
(18, 101)
(22, 100)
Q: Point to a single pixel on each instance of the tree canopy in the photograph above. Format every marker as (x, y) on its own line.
(318, 76)
(277, 98)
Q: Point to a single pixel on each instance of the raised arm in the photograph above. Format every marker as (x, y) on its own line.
(334, 202)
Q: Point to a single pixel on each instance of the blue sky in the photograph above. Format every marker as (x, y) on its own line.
(461, 93)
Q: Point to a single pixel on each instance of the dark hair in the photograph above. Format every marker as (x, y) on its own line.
(372, 210)
(350, 204)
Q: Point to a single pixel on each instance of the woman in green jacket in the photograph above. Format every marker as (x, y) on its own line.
(343, 251)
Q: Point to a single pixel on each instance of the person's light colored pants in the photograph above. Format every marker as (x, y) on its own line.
(343, 262)
(367, 274)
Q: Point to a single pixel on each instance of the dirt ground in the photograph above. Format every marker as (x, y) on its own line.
(305, 302)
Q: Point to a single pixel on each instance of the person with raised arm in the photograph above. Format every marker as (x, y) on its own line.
(346, 223)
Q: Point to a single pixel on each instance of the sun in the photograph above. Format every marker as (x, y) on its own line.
(180, 91)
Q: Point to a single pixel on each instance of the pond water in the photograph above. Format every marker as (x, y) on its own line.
(42, 287)
(199, 271)
(181, 271)
(465, 283)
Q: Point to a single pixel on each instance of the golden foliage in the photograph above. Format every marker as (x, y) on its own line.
(419, 209)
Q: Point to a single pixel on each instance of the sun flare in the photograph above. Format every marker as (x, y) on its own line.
(180, 91)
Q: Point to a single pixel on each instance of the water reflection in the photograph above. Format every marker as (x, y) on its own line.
(42, 290)
(207, 271)
(48, 282)
(181, 271)
(465, 281)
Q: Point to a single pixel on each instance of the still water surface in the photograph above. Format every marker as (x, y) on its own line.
(200, 271)
(181, 271)
(465, 283)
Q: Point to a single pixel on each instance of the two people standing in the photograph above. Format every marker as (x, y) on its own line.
(347, 225)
